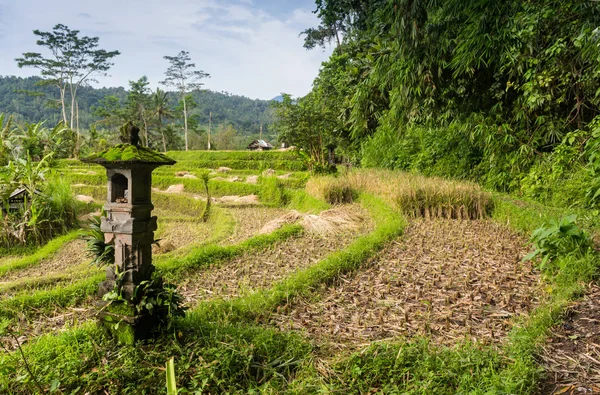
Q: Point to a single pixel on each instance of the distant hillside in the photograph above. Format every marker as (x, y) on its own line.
(278, 99)
(26, 100)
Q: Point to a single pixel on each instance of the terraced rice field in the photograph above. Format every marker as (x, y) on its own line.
(283, 301)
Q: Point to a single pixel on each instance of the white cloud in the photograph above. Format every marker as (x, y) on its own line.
(247, 50)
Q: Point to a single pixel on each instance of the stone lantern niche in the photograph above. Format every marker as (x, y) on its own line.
(128, 222)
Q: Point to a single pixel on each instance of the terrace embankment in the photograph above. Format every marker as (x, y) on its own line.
(445, 279)
(71, 254)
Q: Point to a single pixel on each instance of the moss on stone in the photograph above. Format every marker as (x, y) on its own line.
(127, 153)
(125, 334)
(120, 308)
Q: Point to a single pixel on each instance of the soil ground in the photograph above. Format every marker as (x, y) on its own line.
(68, 256)
(249, 220)
(572, 355)
(445, 279)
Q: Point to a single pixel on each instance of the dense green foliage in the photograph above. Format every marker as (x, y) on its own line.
(505, 93)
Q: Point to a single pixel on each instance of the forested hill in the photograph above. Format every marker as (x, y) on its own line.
(26, 99)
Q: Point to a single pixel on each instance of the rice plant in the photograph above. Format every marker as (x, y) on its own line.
(413, 194)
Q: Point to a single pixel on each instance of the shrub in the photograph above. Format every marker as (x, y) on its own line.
(102, 253)
(49, 208)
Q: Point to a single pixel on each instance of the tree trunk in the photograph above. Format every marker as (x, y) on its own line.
(63, 91)
(78, 142)
(145, 130)
(72, 107)
(185, 125)
(209, 124)
(160, 129)
(73, 90)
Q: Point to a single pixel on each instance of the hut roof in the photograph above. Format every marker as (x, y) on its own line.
(129, 154)
(259, 143)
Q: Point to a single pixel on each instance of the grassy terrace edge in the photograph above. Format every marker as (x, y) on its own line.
(171, 267)
(44, 252)
(415, 366)
(389, 224)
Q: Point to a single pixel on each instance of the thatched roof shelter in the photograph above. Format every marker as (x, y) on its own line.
(259, 145)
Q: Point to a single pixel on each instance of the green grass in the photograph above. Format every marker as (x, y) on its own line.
(300, 200)
(209, 358)
(219, 156)
(172, 267)
(415, 366)
(35, 284)
(220, 349)
(27, 303)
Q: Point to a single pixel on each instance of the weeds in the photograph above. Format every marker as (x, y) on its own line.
(47, 207)
(559, 238)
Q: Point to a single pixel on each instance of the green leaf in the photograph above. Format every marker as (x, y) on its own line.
(171, 382)
(55, 385)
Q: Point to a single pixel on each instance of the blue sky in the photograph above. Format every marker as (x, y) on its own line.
(249, 47)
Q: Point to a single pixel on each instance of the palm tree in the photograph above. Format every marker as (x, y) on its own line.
(161, 111)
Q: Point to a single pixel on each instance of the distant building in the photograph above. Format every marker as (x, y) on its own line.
(16, 200)
(259, 145)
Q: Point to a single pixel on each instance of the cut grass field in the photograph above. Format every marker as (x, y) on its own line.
(256, 270)
(446, 307)
(449, 281)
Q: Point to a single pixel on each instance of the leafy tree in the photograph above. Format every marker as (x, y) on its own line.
(138, 104)
(306, 123)
(468, 89)
(74, 61)
(161, 111)
(226, 138)
(182, 76)
(244, 114)
(340, 19)
(110, 111)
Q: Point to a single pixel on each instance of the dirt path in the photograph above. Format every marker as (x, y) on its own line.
(445, 279)
(572, 356)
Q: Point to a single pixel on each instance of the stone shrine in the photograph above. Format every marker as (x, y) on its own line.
(128, 223)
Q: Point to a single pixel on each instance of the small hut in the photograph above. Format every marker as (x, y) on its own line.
(259, 145)
(17, 199)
